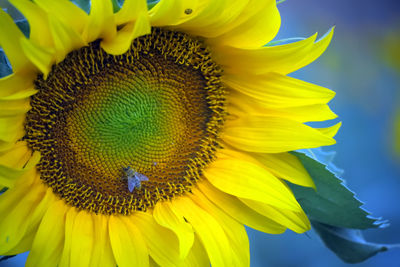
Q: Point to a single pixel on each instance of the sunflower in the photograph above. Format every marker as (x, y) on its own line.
(142, 137)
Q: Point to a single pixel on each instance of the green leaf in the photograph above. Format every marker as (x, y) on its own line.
(348, 244)
(332, 203)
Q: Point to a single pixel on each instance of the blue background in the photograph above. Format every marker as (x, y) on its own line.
(359, 65)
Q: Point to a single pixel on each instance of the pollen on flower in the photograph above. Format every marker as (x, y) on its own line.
(158, 107)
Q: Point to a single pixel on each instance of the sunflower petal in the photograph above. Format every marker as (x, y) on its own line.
(282, 59)
(12, 128)
(162, 243)
(9, 41)
(21, 208)
(15, 83)
(101, 22)
(172, 12)
(247, 180)
(208, 229)
(241, 104)
(14, 108)
(123, 40)
(274, 90)
(82, 239)
(46, 249)
(40, 33)
(296, 221)
(235, 231)
(257, 24)
(330, 131)
(130, 11)
(66, 39)
(286, 166)
(102, 252)
(164, 215)
(197, 256)
(239, 211)
(35, 217)
(9, 175)
(40, 57)
(16, 157)
(265, 134)
(208, 18)
(67, 12)
(127, 243)
(65, 260)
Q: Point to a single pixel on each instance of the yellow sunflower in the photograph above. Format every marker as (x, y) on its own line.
(151, 137)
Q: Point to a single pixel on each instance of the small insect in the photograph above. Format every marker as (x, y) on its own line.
(188, 11)
(134, 178)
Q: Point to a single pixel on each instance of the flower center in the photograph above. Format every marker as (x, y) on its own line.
(119, 133)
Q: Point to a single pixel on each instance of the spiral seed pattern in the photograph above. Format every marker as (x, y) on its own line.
(158, 109)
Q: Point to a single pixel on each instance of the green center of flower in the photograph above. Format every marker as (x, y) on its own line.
(119, 133)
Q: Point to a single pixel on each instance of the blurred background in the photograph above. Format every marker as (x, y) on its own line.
(362, 65)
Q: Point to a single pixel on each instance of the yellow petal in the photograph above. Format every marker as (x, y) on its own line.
(16, 83)
(82, 239)
(197, 256)
(12, 128)
(9, 175)
(239, 211)
(66, 39)
(265, 134)
(295, 221)
(4, 146)
(257, 24)
(65, 260)
(101, 22)
(207, 18)
(286, 166)
(305, 113)
(35, 216)
(38, 22)
(247, 180)
(127, 242)
(46, 248)
(235, 231)
(165, 216)
(162, 243)
(172, 12)
(330, 131)
(123, 40)
(274, 90)
(67, 12)
(240, 104)
(208, 229)
(40, 57)
(130, 11)
(282, 59)
(13, 108)
(9, 41)
(21, 207)
(102, 252)
(16, 157)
